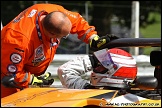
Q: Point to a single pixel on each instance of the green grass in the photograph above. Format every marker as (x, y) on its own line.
(152, 31)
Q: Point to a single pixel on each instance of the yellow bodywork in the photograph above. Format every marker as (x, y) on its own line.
(61, 97)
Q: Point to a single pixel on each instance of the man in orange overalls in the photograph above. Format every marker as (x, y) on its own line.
(30, 40)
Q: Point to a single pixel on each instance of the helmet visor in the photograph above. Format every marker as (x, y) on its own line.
(100, 69)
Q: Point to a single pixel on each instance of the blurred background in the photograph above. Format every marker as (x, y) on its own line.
(126, 19)
(107, 16)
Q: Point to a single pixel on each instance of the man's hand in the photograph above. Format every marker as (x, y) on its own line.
(88, 86)
(42, 80)
(8, 81)
(98, 42)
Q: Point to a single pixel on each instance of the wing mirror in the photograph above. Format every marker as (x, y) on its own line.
(146, 82)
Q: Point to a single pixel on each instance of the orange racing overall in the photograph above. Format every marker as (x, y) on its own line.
(26, 50)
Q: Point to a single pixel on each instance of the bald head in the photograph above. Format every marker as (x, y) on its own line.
(57, 23)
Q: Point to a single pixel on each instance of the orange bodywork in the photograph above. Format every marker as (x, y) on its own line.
(52, 97)
(61, 97)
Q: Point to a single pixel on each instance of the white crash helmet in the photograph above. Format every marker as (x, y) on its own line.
(120, 68)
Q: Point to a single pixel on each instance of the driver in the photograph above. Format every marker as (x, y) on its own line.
(106, 68)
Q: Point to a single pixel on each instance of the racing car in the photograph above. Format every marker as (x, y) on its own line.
(144, 92)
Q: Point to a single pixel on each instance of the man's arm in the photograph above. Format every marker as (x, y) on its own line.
(79, 25)
(71, 72)
(13, 53)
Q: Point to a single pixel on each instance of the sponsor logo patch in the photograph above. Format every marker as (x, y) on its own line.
(15, 58)
(12, 68)
(32, 13)
(39, 55)
(20, 16)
